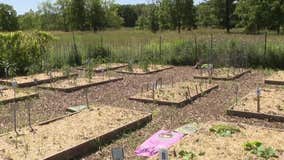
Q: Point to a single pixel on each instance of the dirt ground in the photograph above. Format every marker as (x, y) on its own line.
(212, 106)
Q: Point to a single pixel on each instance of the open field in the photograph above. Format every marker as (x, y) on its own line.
(210, 107)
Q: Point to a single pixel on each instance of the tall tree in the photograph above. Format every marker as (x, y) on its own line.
(95, 14)
(8, 18)
(64, 11)
(129, 15)
(78, 18)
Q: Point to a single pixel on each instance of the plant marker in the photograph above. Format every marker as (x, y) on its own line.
(164, 154)
(258, 92)
(117, 153)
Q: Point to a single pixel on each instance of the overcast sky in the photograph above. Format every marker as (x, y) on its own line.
(23, 6)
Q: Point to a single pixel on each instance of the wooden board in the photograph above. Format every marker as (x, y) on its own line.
(107, 67)
(152, 69)
(275, 79)
(177, 89)
(271, 105)
(7, 95)
(73, 135)
(236, 76)
(70, 86)
(28, 81)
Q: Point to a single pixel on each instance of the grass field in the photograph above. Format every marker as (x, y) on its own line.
(169, 47)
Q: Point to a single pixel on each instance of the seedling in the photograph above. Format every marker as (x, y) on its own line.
(130, 66)
(224, 130)
(185, 155)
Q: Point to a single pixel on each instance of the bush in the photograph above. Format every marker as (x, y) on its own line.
(21, 50)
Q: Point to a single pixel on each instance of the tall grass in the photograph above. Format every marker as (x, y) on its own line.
(169, 47)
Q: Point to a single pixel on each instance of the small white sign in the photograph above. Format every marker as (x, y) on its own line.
(258, 91)
(14, 84)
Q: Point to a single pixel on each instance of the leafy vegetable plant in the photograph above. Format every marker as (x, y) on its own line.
(224, 130)
(257, 148)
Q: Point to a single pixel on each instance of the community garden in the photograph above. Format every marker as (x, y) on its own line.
(199, 95)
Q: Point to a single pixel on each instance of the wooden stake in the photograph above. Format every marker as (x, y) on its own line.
(196, 88)
(29, 116)
(172, 79)
(86, 97)
(237, 91)
(153, 92)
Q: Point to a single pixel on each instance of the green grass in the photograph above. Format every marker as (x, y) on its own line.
(179, 49)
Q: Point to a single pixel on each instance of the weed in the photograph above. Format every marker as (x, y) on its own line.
(224, 130)
(185, 155)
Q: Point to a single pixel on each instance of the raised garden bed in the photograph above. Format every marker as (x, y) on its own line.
(72, 136)
(276, 78)
(225, 74)
(8, 95)
(227, 141)
(107, 67)
(140, 71)
(28, 81)
(178, 94)
(271, 105)
(78, 83)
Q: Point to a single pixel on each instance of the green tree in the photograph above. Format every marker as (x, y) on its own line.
(29, 20)
(95, 14)
(78, 18)
(64, 11)
(8, 18)
(129, 15)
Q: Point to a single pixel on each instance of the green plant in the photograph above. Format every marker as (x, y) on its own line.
(224, 130)
(185, 155)
(130, 66)
(257, 148)
(66, 70)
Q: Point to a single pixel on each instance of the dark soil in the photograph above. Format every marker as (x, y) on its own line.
(210, 107)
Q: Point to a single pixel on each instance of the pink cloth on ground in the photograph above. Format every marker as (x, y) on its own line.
(158, 141)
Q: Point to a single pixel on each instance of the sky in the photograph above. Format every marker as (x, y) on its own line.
(23, 6)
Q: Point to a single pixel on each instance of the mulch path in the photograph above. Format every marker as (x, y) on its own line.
(212, 106)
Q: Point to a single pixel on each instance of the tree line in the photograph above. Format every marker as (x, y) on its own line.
(68, 15)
